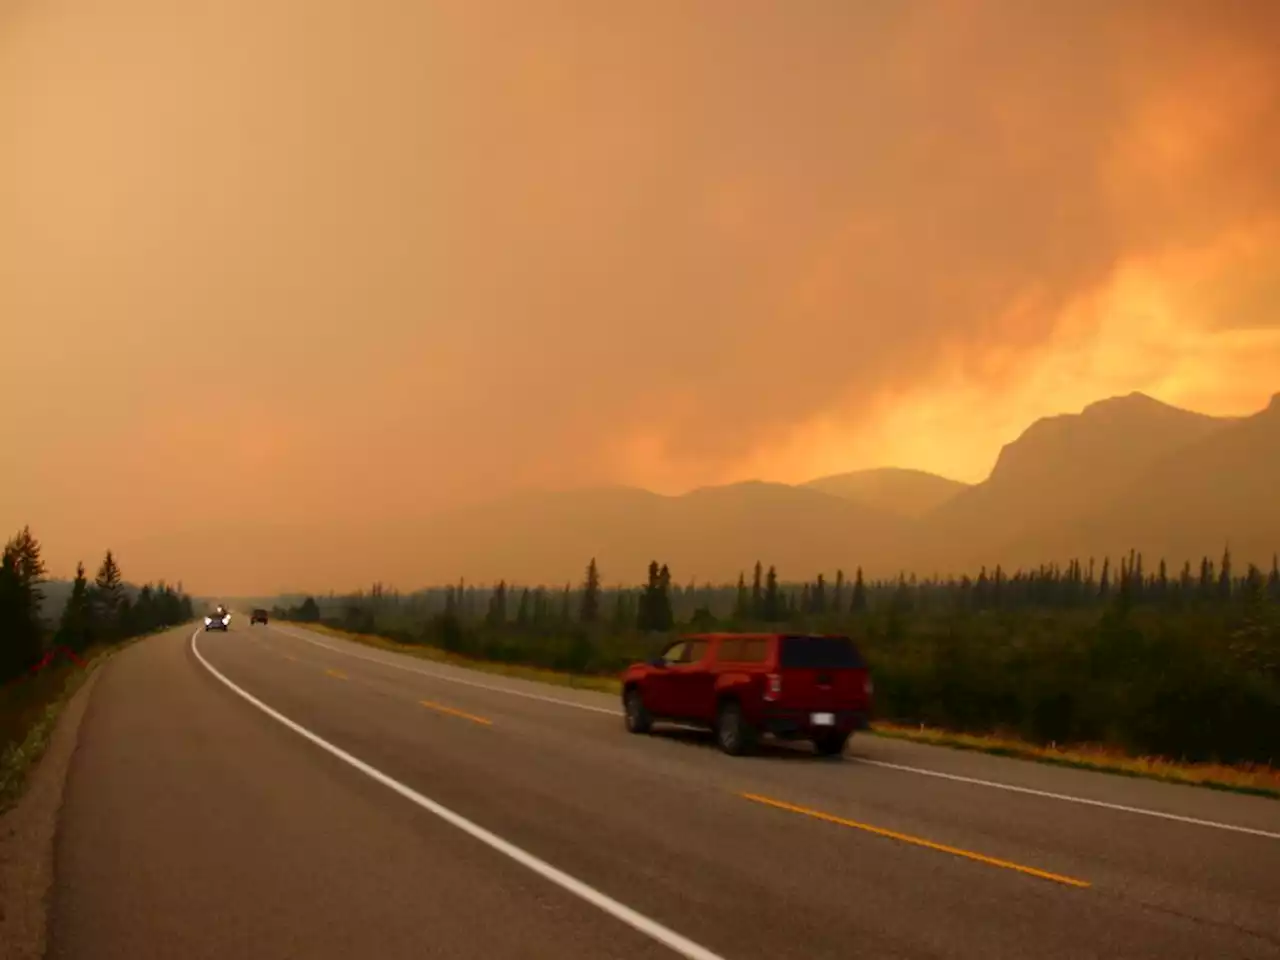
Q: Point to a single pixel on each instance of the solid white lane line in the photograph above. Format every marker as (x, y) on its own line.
(451, 679)
(992, 784)
(650, 928)
(1072, 799)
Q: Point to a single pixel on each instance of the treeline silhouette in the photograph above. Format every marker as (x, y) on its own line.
(1181, 663)
(103, 611)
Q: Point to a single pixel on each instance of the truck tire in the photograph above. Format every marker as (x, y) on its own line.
(733, 734)
(634, 712)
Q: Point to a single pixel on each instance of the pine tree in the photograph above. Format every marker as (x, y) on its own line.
(30, 567)
(819, 596)
(523, 612)
(1104, 582)
(1273, 581)
(21, 636)
(108, 592)
(664, 618)
(1206, 578)
(859, 602)
(773, 605)
(757, 593)
(742, 603)
(1224, 577)
(1254, 585)
(837, 596)
(621, 609)
(566, 604)
(496, 616)
(309, 612)
(590, 609)
(76, 629)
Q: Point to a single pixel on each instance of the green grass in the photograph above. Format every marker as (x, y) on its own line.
(1256, 779)
(29, 710)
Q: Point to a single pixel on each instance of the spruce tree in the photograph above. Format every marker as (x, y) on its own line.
(742, 602)
(108, 593)
(21, 636)
(76, 628)
(773, 604)
(590, 608)
(859, 602)
(757, 592)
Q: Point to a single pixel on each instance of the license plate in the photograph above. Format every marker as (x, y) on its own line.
(822, 719)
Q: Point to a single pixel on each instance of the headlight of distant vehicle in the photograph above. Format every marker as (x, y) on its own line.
(208, 620)
(227, 618)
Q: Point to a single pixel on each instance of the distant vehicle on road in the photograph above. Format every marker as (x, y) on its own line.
(220, 619)
(258, 616)
(792, 686)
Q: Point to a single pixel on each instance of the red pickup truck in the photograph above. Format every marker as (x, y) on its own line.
(793, 686)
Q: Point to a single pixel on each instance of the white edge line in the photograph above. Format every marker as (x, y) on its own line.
(650, 928)
(1070, 799)
(995, 785)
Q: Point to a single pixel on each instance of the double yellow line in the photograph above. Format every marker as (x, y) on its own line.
(915, 841)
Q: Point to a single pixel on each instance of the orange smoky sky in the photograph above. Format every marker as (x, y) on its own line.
(378, 258)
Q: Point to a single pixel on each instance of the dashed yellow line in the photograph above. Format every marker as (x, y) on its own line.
(917, 841)
(483, 721)
(336, 674)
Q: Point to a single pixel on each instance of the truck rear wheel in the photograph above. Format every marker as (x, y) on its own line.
(733, 733)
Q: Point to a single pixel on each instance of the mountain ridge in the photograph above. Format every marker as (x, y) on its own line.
(1123, 473)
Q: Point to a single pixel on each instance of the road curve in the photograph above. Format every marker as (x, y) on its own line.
(272, 792)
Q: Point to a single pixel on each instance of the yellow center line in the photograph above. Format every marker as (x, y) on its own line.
(336, 674)
(917, 841)
(456, 713)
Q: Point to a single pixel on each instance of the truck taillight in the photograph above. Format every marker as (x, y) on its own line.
(773, 686)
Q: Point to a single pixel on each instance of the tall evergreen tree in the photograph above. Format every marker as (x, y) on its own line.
(757, 592)
(523, 612)
(621, 609)
(818, 598)
(108, 592)
(859, 601)
(21, 636)
(590, 610)
(1224, 576)
(1273, 580)
(76, 628)
(742, 601)
(496, 616)
(773, 604)
(837, 595)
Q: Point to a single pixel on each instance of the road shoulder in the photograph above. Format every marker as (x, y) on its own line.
(27, 834)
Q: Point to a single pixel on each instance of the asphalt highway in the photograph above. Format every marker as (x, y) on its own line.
(272, 792)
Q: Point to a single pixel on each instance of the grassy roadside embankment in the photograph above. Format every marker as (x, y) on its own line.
(1260, 780)
(29, 710)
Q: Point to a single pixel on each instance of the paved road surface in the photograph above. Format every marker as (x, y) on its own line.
(416, 810)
